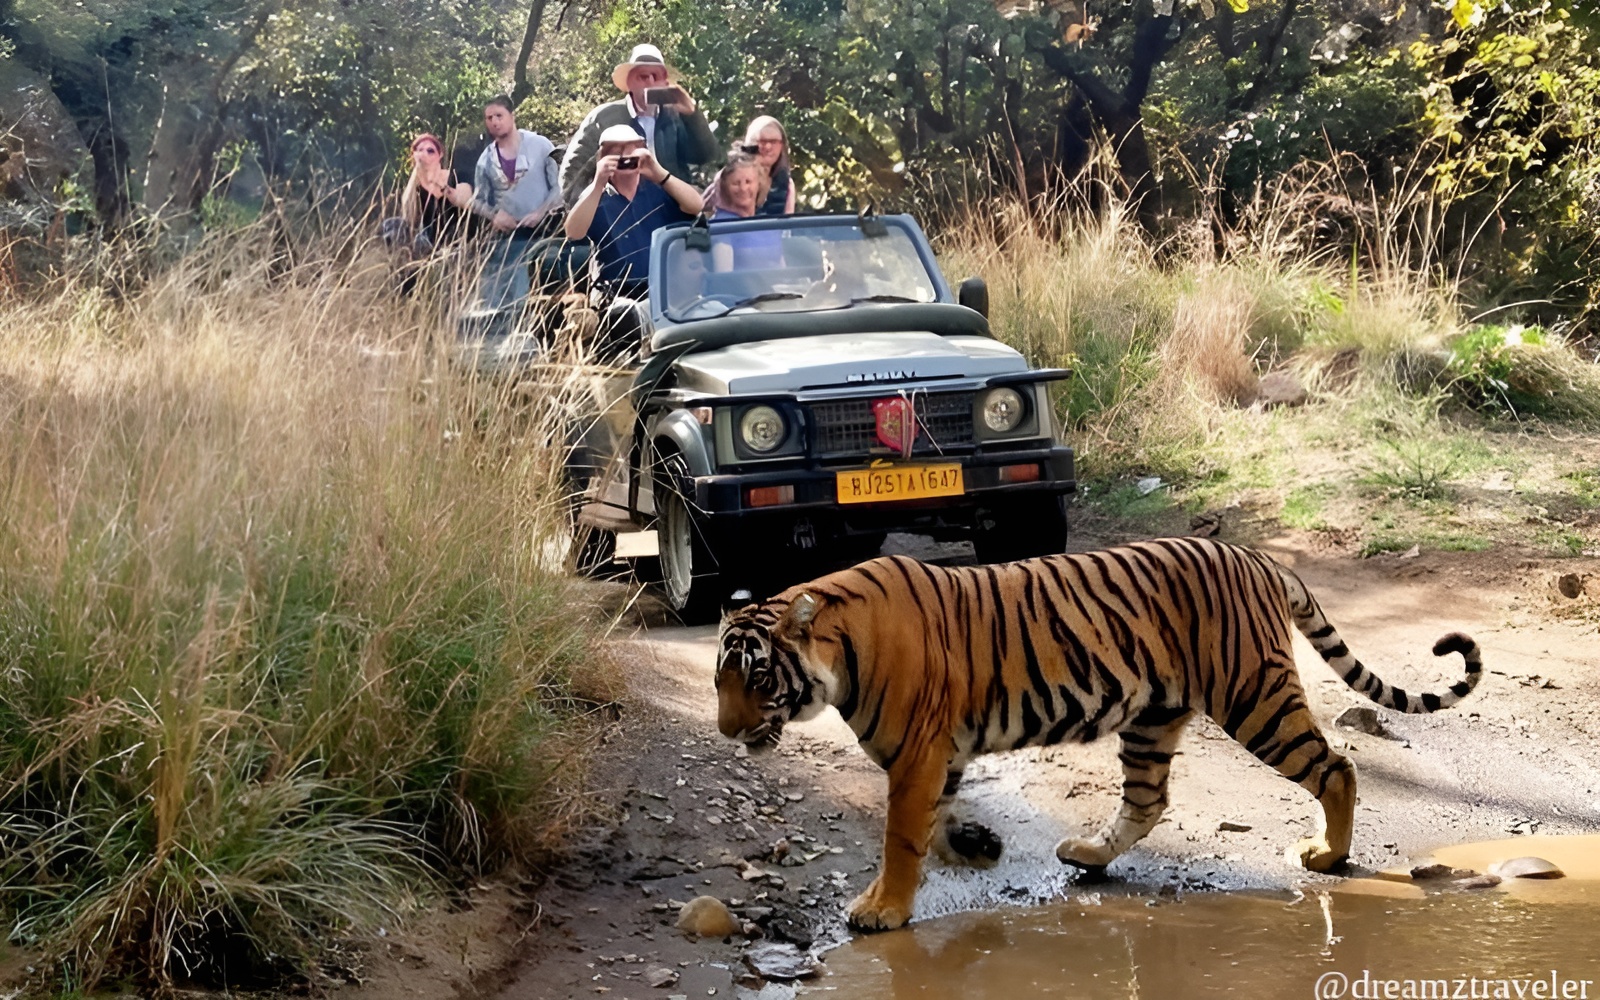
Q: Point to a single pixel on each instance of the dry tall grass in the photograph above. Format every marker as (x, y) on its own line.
(282, 635)
(1166, 339)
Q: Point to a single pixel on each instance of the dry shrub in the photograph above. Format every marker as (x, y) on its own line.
(1209, 339)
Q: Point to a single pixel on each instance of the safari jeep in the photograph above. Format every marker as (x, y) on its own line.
(805, 385)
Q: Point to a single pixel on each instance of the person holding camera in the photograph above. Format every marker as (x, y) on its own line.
(766, 142)
(674, 129)
(631, 196)
(515, 191)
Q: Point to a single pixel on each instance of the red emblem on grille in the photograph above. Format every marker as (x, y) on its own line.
(897, 423)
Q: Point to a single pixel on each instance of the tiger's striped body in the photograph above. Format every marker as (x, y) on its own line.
(931, 666)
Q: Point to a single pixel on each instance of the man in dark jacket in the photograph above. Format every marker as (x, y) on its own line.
(676, 133)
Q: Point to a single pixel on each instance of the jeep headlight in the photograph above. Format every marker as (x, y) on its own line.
(1003, 410)
(762, 429)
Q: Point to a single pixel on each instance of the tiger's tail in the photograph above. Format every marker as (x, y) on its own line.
(1314, 625)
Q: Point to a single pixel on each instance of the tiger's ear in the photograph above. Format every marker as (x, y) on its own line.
(796, 621)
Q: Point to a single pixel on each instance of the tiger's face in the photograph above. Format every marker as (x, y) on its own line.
(762, 682)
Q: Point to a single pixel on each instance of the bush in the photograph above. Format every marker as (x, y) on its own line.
(1523, 370)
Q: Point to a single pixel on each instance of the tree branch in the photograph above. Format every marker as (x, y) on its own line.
(1077, 71)
(1224, 23)
(1269, 56)
(1151, 43)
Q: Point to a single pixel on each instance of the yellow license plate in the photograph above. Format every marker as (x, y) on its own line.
(899, 482)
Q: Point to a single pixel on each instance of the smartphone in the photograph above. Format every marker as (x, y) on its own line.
(627, 163)
(662, 95)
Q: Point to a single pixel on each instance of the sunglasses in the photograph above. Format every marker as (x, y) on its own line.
(426, 149)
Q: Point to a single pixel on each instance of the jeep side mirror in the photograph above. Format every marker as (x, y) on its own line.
(974, 294)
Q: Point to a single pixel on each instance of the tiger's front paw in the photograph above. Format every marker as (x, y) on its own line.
(1314, 854)
(1090, 855)
(873, 910)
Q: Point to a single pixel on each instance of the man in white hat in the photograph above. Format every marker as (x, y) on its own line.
(631, 196)
(674, 130)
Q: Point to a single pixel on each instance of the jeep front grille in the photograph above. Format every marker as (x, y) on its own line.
(847, 426)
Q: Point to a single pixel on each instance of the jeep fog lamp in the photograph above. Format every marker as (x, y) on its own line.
(1002, 410)
(762, 428)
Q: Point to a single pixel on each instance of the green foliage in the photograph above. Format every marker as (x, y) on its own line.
(1518, 370)
(1128, 500)
(1441, 541)
(1484, 359)
(1512, 99)
(1561, 542)
(1585, 486)
(875, 94)
(1303, 507)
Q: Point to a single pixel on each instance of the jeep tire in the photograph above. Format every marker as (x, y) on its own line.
(690, 580)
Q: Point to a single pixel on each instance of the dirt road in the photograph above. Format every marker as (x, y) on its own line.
(696, 816)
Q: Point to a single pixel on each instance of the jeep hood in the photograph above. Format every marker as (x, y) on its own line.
(843, 359)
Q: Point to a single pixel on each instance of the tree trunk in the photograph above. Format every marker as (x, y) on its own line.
(113, 200)
(521, 89)
(1119, 114)
(181, 164)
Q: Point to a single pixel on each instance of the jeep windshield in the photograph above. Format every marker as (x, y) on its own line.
(790, 265)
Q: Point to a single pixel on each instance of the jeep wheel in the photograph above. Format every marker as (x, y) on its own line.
(1022, 528)
(689, 576)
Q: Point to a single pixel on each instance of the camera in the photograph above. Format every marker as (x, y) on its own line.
(662, 95)
(627, 163)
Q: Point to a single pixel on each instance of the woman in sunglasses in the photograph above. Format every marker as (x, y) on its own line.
(768, 144)
(435, 201)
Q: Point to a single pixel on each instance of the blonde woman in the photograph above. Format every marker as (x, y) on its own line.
(435, 201)
(767, 144)
(741, 188)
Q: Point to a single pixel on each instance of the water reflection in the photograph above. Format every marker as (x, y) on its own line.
(1235, 944)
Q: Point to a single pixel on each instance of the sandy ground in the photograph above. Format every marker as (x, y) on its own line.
(694, 815)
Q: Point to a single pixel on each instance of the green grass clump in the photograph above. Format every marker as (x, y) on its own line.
(1585, 484)
(1441, 541)
(281, 644)
(1303, 507)
(1523, 371)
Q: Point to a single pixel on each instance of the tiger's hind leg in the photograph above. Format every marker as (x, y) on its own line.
(958, 841)
(1146, 757)
(1283, 734)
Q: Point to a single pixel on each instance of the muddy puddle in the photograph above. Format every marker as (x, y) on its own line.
(1526, 939)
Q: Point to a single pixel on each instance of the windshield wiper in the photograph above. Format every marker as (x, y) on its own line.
(726, 309)
(765, 297)
(883, 298)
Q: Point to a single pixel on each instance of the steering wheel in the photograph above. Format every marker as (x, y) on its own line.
(722, 299)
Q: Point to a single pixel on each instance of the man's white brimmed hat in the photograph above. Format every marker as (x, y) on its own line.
(619, 134)
(642, 55)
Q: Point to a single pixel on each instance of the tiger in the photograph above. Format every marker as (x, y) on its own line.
(931, 666)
